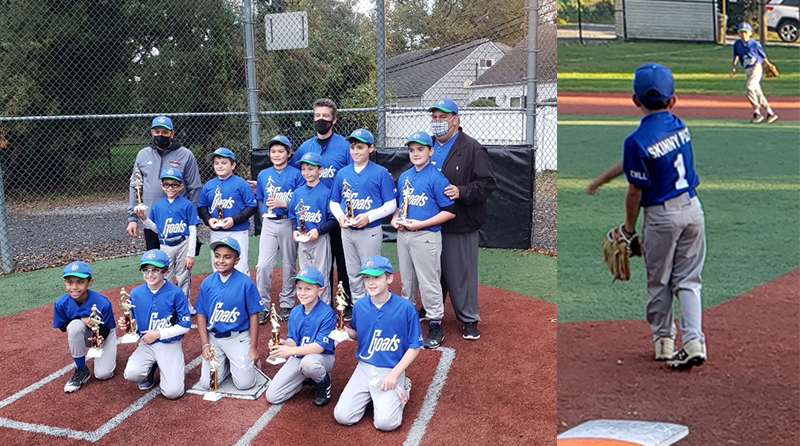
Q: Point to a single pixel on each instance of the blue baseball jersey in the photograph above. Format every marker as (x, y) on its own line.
(312, 327)
(335, 155)
(282, 186)
(66, 309)
(315, 200)
(385, 333)
(228, 305)
(236, 195)
(167, 307)
(371, 188)
(426, 194)
(173, 219)
(440, 151)
(749, 53)
(657, 158)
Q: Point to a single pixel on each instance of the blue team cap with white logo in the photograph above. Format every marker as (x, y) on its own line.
(222, 151)
(310, 274)
(78, 269)
(362, 135)
(446, 105)
(375, 266)
(653, 82)
(312, 158)
(230, 242)
(173, 173)
(421, 138)
(162, 121)
(280, 139)
(155, 257)
(744, 26)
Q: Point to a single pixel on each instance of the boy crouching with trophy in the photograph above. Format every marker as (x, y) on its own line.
(307, 347)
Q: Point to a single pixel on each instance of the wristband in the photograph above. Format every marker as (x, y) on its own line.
(204, 346)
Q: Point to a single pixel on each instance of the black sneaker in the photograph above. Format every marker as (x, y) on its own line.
(308, 382)
(284, 314)
(423, 315)
(471, 331)
(348, 314)
(322, 394)
(262, 317)
(78, 379)
(435, 335)
(150, 380)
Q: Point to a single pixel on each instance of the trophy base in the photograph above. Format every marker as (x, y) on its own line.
(339, 336)
(402, 221)
(275, 361)
(349, 222)
(129, 338)
(94, 353)
(212, 396)
(302, 238)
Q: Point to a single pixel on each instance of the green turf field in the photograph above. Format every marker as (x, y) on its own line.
(749, 189)
(698, 68)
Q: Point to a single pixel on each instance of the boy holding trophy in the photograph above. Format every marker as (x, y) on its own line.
(72, 314)
(307, 347)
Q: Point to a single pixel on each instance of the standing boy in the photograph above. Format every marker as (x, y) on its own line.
(370, 190)
(307, 346)
(174, 218)
(657, 162)
(71, 314)
(311, 203)
(386, 327)
(227, 318)
(419, 238)
(235, 199)
(751, 54)
(162, 315)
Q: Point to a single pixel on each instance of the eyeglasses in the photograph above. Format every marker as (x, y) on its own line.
(152, 271)
(171, 185)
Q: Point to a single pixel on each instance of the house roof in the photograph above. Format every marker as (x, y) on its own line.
(513, 67)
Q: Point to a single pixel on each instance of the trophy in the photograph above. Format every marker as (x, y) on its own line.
(125, 302)
(408, 191)
(95, 320)
(218, 204)
(270, 189)
(212, 394)
(301, 224)
(138, 183)
(276, 335)
(347, 193)
(339, 334)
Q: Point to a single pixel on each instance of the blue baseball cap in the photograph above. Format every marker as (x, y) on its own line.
(230, 242)
(78, 269)
(173, 173)
(362, 135)
(310, 274)
(280, 139)
(744, 26)
(446, 105)
(155, 257)
(420, 137)
(162, 121)
(222, 151)
(312, 158)
(375, 266)
(653, 82)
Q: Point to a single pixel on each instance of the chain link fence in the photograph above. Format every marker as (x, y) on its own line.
(81, 80)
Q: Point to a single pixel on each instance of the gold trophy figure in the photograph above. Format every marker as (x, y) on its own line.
(276, 335)
(347, 193)
(270, 189)
(408, 191)
(126, 303)
(95, 321)
(138, 183)
(301, 223)
(213, 384)
(339, 334)
(218, 204)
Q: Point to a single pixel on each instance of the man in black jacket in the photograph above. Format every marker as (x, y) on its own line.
(465, 163)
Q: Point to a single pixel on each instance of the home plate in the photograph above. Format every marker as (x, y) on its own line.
(622, 433)
(227, 389)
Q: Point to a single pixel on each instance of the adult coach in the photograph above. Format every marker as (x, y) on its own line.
(465, 163)
(335, 152)
(163, 152)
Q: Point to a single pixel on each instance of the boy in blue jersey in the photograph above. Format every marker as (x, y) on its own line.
(174, 218)
(658, 163)
(307, 346)
(751, 54)
(162, 318)
(419, 238)
(236, 201)
(371, 194)
(227, 318)
(386, 327)
(310, 201)
(71, 315)
(274, 188)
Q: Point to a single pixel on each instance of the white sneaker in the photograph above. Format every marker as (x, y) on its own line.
(192, 311)
(757, 117)
(692, 354)
(772, 118)
(665, 349)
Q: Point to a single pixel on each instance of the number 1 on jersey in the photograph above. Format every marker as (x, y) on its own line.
(681, 183)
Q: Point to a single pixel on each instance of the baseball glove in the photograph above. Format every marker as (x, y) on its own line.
(770, 70)
(618, 248)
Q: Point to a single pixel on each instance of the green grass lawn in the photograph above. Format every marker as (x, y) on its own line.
(749, 189)
(698, 68)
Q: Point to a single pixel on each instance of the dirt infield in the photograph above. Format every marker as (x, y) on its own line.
(688, 105)
(747, 393)
(500, 389)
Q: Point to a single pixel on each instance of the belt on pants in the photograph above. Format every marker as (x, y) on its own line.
(174, 241)
(225, 334)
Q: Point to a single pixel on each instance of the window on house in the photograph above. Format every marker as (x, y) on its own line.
(518, 102)
(486, 63)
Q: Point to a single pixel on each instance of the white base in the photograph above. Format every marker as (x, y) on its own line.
(212, 396)
(129, 338)
(645, 433)
(302, 238)
(275, 361)
(94, 353)
(339, 336)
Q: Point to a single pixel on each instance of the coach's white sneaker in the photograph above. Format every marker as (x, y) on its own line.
(692, 354)
(665, 349)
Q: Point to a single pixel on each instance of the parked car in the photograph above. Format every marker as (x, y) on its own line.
(783, 17)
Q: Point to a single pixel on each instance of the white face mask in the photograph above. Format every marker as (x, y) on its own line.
(440, 128)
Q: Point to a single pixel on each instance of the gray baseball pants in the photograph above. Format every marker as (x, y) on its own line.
(419, 254)
(78, 335)
(231, 352)
(318, 255)
(289, 379)
(753, 86)
(168, 356)
(177, 266)
(365, 386)
(460, 274)
(276, 235)
(358, 244)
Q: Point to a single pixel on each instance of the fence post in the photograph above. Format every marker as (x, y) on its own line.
(6, 258)
(381, 67)
(252, 90)
(533, 23)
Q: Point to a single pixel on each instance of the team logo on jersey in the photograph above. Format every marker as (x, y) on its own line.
(157, 323)
(222, 203)
(224, 316)
(381, 344)
(328, 172)
(305, 340)
(173, 228)
(418, 200)
(361, 203)
(314, 217)
(174, 163)
(285, 196)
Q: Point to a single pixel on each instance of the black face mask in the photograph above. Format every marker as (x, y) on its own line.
(162, 142)
(322, 126)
